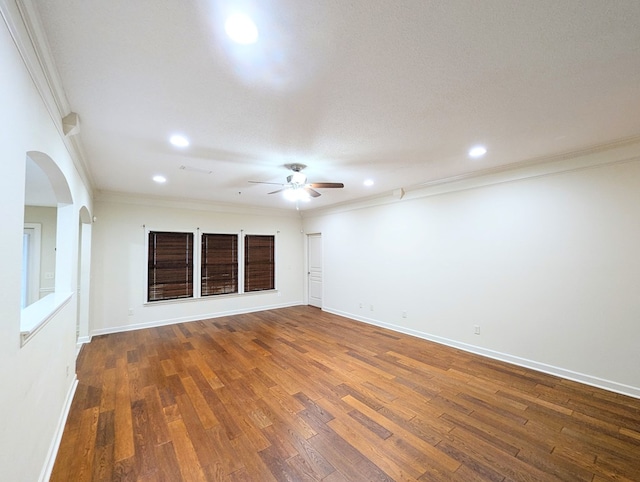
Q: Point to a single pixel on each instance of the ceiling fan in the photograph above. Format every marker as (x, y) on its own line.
(297, 188)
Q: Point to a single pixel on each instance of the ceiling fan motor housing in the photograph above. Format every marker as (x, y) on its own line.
(295, 167)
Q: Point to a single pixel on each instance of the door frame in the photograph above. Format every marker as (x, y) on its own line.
(33, 262)
(307, 268)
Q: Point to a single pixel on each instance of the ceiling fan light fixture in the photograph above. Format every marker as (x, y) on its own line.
(294, 194)
(297, 188)
(298, 178)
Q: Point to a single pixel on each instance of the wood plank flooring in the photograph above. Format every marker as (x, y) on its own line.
(297, 394)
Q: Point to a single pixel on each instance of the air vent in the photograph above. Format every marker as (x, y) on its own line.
(195, 169)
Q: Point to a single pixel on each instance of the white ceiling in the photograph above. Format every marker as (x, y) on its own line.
(395, 91)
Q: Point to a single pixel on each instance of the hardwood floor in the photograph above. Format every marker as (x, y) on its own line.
(299, 394)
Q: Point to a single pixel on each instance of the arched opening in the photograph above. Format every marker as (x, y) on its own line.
(46, 248)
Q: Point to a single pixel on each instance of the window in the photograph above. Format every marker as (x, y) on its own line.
(177, 260)
(170, 269)
(259, 263)
(219, 264)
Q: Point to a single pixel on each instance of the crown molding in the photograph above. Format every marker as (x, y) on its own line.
(576, 159)
(616, 152)
(191, 204)
(25, 27)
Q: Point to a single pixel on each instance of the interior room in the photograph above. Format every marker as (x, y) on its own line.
(272, 239)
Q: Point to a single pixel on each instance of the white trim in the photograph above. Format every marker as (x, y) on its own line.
(276, 260)
(195, 270)
(171, 301)
(45, 473)
(505, 357)
(192, 204)
(35, 316)
(197, 265)
(186, 319)
(307, 264)
(24, 24)
(242, 261)
(34, 291)
(239, 270)
(620, 152)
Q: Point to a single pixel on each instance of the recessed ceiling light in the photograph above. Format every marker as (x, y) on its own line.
(477, 151)
(241, 29)
(368, 182)
(179, 141)
(160, 179)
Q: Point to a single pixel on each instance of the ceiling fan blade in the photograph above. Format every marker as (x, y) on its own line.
(324, 185)
(311, 192)
(279, 190)
(261, 182)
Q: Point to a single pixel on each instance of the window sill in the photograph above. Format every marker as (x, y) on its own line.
(38, 314)
(209, 297)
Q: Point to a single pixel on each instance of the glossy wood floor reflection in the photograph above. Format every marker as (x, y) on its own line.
(298, 394)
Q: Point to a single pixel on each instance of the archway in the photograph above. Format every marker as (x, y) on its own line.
(49, 205)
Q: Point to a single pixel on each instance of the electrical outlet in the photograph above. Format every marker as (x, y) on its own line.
(404, 314)
(361, 305)
(130, 311)
(476, 329)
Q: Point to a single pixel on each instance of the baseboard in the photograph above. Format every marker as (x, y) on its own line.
(514, 360)
(45, 474)
(186, 319)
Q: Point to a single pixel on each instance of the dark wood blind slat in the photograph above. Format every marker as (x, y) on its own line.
(219, 266)
(259, 262)
(170, 266)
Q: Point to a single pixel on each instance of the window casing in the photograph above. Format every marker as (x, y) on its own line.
(218, 264)
(170, 266)
(190, 265)
(259, 263)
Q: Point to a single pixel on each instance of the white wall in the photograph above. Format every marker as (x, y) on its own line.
(36, 378)
(119, 260)
(548, 267)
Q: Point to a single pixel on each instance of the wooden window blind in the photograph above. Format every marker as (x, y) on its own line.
(170, 272)
(219, 264)
(259, 263)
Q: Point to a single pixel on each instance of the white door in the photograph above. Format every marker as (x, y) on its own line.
(314, 242)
